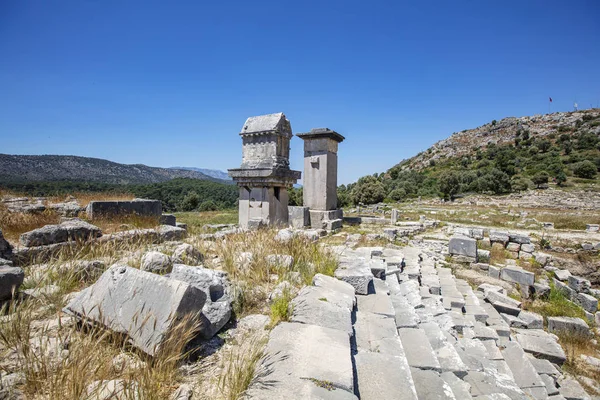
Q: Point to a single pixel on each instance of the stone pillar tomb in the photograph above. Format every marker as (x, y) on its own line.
(265, 175)
(320, 177)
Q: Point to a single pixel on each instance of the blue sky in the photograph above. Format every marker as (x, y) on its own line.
(168, 83)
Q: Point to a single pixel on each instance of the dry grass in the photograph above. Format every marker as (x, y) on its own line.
(124, 223)
(14, 224)
(84, 198)
(498, 255)
(62, 362)
(196, 220)
(556, 305)
(574, 346)
(238, 367)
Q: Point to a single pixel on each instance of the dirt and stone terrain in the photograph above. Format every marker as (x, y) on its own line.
(484, 297)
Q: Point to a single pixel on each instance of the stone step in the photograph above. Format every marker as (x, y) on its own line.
(305, 361)
(419, 352)
(431, 386)
(383, 376)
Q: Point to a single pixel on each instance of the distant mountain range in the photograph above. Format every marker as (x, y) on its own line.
(25, 168)
(215, 173)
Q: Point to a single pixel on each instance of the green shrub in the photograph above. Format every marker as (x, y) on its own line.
(585, 169)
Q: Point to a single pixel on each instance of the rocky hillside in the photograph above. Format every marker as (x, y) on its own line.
(24, 168)
(505, 131)
(215, 173)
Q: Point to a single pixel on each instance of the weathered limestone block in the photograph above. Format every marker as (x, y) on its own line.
(168, 219)
(523, 371)
(588, 303)
(513, 246)
(419, 352)
(463, 246)
(156, 262)
(392, 382)
(562, 274)
(517, 275)
(305, 361)
(319, 218)
(217, 289)
(139, 304)
(187, 254)
(592, 227)
(528, 248)
(10, 280)
(499, 236)
(517, 238)
(67, 231)
(357, 273)
(323, 307)
(542, 258)
(579, 284)
(167, 233)
(572, 390)
(299, 216)
(565, 289)
(532, 320)
(335, 285)
(429, 385)
(541, 345)
(568, 325)
(109, 209)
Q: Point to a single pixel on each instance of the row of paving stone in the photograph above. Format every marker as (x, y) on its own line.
(379, 333)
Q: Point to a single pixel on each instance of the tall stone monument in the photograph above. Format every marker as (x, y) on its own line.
(320, 177)
(265, 175)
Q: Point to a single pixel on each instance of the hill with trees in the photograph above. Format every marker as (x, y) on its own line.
(510, 155)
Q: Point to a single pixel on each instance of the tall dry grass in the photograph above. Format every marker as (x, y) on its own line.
(68, 362)
(13, 224)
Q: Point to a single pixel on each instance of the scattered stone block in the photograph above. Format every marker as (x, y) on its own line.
(517, 238)
(494, 272)
(541, 344)
(168, 219)
(542, 258)
(167, 233)
(579, 284)
(587, 302)
(568, 325)
(216, 287)
(592, 227)
(71, 230)
(499, 236)
(181, 225)
(532, 320)
(528, 248)
(517, 275)
(156, 262)
(514, 247)
(357, 273)
(11, 279)
(335, 285)
(187, 254)
(299, 217)
(110, 209)
(148, 320)
(463, 246)
(541, 290)
(562, 274)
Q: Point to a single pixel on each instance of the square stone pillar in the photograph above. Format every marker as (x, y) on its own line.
(320, 168)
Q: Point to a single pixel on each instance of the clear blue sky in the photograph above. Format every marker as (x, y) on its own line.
(168, 83)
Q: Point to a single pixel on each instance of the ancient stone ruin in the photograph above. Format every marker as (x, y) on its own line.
(265, 175)
(320, 177)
